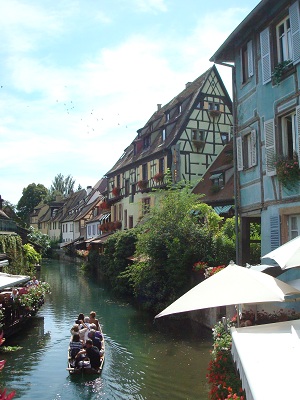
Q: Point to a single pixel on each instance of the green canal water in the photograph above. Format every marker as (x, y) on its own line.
(144, 360)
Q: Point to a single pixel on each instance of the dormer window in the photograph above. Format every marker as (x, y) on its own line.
(163, 134)
(168, 116)
(217, 179)
(179, 110)
(146, 142)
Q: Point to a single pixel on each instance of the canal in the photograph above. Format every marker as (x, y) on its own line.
(144, 360)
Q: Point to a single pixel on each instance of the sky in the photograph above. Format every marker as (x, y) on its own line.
(78, 78)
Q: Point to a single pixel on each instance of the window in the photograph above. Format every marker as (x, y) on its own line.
(127, 187)
(247, 61)
(144, 172)
(179, 109)
(71, 227)
(146, 142)
(125, 219)
(198, 135)
(294, 226)
(284, 40)
(118, 181)
(163, 134)
(217, 179)
(213, 106)
(225, 137)
(94, 230)
(289, 135)
(145, 205)
(246, 150)
(287, 42)
(168, 116)
(199, 105)
(89, 230)
(161, 166)
(130, 221)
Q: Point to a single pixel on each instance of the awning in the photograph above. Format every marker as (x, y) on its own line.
(8, 280)
(222, 209)
(267, 357)
(104, 218)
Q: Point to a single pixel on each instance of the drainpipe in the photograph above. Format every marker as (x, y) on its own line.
(235, 189)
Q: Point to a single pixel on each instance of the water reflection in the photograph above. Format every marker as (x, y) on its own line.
(144, 360)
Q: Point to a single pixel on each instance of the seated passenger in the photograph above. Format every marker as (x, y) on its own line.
(93, 320)
(92, 352)
(75, 345)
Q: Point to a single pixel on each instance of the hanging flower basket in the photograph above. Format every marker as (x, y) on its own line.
(116, 191)
(214, 113)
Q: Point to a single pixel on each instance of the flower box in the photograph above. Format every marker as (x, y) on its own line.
(159, 177)
(116, 191)
(142, 184)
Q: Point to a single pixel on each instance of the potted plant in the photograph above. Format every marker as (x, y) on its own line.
(279, 71)
(288, 172)
(159, 177)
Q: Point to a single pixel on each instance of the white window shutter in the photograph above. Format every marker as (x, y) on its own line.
(265, 55)
(295, 30)
(298, 130)
(253, 148)
(269, 128)
(239, 154)
(250, 58)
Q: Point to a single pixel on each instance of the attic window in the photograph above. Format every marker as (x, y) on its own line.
(163, 134)
(225, 137)
(179, 110)
(167, 116)
(146, 142)
(217, 179)
(214, 106)
(199, 105)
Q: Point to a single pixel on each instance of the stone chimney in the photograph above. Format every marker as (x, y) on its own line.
(88, 190)
(158, 107)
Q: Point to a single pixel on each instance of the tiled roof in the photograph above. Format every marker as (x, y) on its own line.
(222, 163)
(158, 121)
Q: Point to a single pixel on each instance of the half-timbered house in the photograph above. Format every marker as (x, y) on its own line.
(264, 52)
(184, 136)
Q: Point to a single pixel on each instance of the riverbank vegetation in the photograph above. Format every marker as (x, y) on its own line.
(153, 262)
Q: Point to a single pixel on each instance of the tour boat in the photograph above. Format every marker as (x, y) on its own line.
(85, 367)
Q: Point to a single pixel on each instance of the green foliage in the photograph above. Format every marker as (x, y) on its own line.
(62, 185)
(12, 245)
(41, 239)
(32, 195)
(178, 232)
(32, 257)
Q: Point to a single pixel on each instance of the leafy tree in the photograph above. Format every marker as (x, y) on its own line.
(32, 195)
(62, 185)
(41, 239)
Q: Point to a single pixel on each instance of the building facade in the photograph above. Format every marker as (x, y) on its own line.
(264, 53)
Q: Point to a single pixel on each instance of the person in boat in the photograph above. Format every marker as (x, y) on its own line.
(81, 331)
(96, 337)
(75, 345)
(80, 319)
(94, 320)
(90, 351)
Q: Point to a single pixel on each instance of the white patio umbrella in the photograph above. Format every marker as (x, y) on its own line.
(287, 255)
(232, 286)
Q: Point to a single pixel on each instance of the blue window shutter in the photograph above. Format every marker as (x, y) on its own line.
(275, 231)
(265, 55)
(295, 30)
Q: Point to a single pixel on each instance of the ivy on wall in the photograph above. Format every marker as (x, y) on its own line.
(11, 245)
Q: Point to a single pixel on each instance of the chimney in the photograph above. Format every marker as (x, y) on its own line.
(88, 190)
(158, 107)
(188, 84)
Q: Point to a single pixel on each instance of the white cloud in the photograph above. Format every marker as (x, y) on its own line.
(150, 5)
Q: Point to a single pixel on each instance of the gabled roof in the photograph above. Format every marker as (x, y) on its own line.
(221, 164)
(174, 126)
(73, 202)
(263, 12)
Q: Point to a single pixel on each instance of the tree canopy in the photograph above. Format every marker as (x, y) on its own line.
(62, 185)
(32, 195)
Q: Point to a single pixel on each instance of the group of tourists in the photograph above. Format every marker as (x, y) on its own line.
(86, 345)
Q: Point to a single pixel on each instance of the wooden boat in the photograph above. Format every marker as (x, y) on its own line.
(85, 367)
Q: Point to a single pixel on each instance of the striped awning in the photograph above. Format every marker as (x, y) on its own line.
(222, 209)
